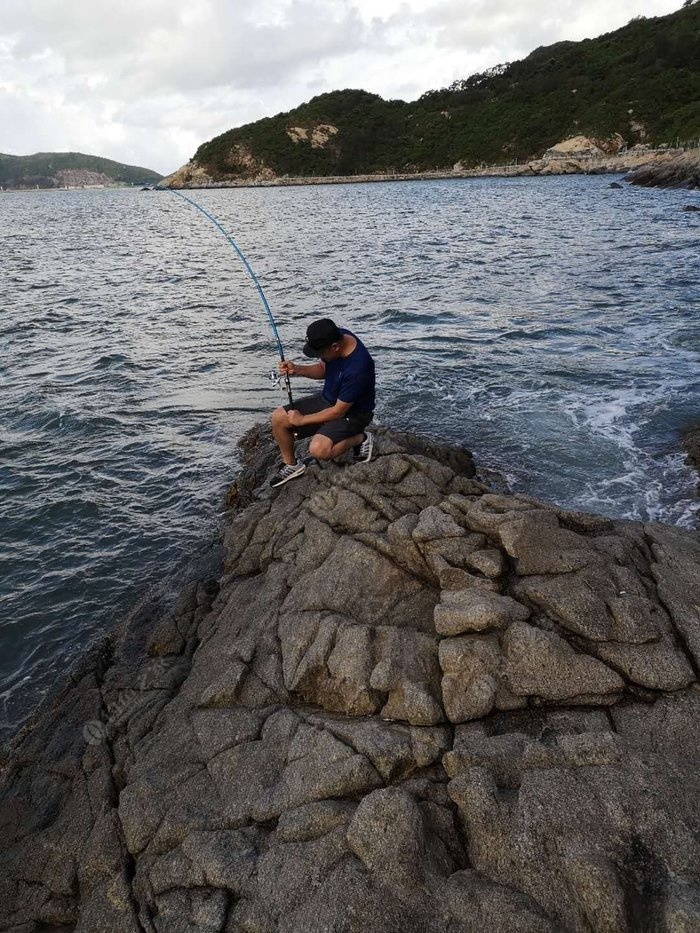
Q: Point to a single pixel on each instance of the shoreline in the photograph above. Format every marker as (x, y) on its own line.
(655, 160)
(194, 177)
(289, 181)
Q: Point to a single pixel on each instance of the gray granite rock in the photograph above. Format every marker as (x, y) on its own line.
(473, 610)
(399, 701)
(489, 561)
(470, 668)
(543, 664)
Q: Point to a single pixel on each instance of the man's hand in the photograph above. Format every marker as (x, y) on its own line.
(316, 371)
(296, 419)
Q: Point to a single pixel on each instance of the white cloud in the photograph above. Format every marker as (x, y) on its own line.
(476, 25)
(146, 81)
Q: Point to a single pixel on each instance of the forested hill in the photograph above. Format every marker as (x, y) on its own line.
(641, 81)
(69, 169)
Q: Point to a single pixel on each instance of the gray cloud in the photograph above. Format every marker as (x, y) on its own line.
(147, 82)
(181, 46)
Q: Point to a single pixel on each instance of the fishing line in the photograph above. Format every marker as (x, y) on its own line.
(250, 272)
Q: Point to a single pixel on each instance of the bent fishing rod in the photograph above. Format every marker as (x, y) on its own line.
(250, 272)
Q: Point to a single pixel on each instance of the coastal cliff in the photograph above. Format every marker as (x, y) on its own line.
(397, 700)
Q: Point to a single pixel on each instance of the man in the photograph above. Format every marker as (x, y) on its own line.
(335, 418)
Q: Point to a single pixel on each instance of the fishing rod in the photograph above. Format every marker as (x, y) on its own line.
(253, 276)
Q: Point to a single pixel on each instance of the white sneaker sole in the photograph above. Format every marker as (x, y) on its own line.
(368, 455)
(275, 482)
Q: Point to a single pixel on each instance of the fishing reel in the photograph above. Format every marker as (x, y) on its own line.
(276, 382)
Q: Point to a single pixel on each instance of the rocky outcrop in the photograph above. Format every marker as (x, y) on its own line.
(669, 170)
(582, 147)
(317, 136)
(582, 156)
(190, 175)
(242, 167)
(403, 702)
(577, 147)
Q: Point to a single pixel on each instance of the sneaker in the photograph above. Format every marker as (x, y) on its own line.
(286, 472)
(363, 452)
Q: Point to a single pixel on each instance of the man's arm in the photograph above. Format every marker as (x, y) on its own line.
(314, 371)
(339, 410)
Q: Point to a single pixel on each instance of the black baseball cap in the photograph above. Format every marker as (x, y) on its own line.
(319, 335)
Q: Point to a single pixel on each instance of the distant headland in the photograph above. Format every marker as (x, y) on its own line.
(69, 170)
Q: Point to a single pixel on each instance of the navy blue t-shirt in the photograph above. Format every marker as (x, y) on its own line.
(351, 378)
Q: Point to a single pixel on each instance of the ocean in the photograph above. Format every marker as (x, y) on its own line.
(551, 325)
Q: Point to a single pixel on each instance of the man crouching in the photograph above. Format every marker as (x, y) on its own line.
(337, 416)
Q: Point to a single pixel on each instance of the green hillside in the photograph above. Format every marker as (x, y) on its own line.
(44, 169)
(641, 81)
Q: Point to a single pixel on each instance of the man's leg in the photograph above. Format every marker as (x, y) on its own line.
(284, 435)
(323, 448)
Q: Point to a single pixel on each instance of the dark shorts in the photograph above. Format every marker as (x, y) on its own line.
(337, 430)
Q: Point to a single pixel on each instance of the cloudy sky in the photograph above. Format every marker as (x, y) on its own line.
(146, 81)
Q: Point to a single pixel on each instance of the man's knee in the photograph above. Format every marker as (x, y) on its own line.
(279, 417)
(320, 447)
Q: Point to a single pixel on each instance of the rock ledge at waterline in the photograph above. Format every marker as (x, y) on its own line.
(403, 703)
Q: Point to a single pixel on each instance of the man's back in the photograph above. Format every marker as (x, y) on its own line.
(351, 378)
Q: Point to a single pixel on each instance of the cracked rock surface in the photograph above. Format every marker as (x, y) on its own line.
(400, 702)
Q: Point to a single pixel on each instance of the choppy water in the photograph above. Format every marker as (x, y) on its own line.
(553, 325)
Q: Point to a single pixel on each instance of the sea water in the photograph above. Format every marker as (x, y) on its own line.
(550, 325)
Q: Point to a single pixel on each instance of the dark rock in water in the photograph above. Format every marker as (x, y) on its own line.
(407, 703)
(691, 443)
(691, 207)
(615, 184)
